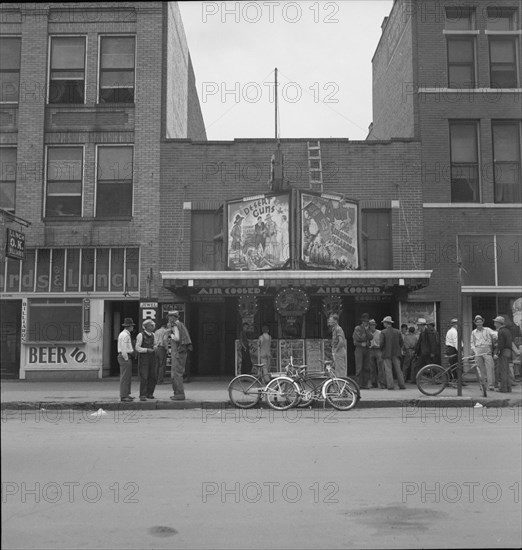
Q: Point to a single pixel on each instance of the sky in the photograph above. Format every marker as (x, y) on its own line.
(322, 51)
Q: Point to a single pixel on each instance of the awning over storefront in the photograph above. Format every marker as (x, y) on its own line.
(386, 280)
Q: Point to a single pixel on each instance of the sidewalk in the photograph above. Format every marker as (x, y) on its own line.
(212, 393)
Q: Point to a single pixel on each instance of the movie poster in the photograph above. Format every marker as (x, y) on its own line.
(258, 233)
(329, 228)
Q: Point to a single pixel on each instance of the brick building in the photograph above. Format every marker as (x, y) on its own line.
(200, 184)
(448, 75)
(87, 92)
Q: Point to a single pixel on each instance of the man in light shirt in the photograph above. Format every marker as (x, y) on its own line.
(125, 351)
(161, 343)
(181, 345)
(377, 377)
(482, 342)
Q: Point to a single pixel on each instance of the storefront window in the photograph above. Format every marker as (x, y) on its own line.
(51, 320)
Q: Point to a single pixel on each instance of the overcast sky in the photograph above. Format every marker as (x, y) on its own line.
(322, 51)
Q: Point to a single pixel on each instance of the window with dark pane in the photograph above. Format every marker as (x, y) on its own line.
(507, 165)
(67, 71)
(464, 162)
(7, 178)
(64, 181)
(461, 62)
(9, 69)
(117, 69)
(114, 182)
(503, 61)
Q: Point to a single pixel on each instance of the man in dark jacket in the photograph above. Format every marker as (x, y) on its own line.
(426, 350)
(503, 353)
(391, 346)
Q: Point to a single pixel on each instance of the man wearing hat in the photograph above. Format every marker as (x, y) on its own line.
(452, 344)
(426, 349)
(482, 344)
(181, 344)
(391, 346)
(147, 360)
(125, 351)
(376, 367)
(503, 353)
(361, 340)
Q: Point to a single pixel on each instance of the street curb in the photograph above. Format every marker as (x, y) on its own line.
(189, 404)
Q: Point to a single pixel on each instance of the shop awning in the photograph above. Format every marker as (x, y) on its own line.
(388, 280)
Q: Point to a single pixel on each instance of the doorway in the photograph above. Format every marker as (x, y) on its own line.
(209, 345)
(115, 313)
(10, 336)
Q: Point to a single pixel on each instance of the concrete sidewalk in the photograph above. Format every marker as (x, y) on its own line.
(212, 393)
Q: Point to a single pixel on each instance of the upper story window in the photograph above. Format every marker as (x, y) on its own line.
(9, 69)
(506, 158)
(376, 239)
(67, 69)
(64, 181)
(7, 178)
(501, 19)
(464, 162)
(114, 181)
(117, 69)
(503, 61)
(460, 18)
(461, 61)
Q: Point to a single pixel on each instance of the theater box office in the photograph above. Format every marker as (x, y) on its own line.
(292, 259)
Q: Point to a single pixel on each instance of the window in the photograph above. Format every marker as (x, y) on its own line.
(460, 18)
(7, 178)
(461, 62)
(114, 182)
(206, 253)
(464, 162)
(9, 69)
(64, 181)
(55, 320)
(67, 73)
(502, 61)
(501, 19)
(116, 69)
(377, 230)
(506, 158)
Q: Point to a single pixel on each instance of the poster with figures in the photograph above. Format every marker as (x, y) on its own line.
(329, 232)
(411, 312)
(258, 233)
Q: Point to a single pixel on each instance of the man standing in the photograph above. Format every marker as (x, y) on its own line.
(181, 345)
(391, 346)
(146, 360)
(361, 340)
(125, 351)
(246, 360)
(503, 353)
(482, 343)
(452, 345)
(338, 347)
(426, 349)
(376, 368)
(408, 349)
(161, 342)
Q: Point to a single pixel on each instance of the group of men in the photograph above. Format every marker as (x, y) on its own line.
(151, 350)
(487, 346)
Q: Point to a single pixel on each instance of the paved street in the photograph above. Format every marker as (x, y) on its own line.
(216, 478)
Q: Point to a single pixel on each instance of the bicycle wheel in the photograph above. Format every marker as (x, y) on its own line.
(306, 393)
(354, 386)
(481, 382)
(282, 393)
(339, 394)
(432, 379)
(245, 391)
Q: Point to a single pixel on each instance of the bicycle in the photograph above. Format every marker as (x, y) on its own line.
(245, 390)
(297, 388)
(433, 379)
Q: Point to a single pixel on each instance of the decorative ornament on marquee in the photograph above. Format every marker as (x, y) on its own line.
(247, 306)
(292, 302)
(331, 305)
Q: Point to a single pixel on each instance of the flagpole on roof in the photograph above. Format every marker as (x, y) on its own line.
(276, 130)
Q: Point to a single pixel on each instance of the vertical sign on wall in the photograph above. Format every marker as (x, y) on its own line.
(23, 332)
(86, 315)
(149, 310)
